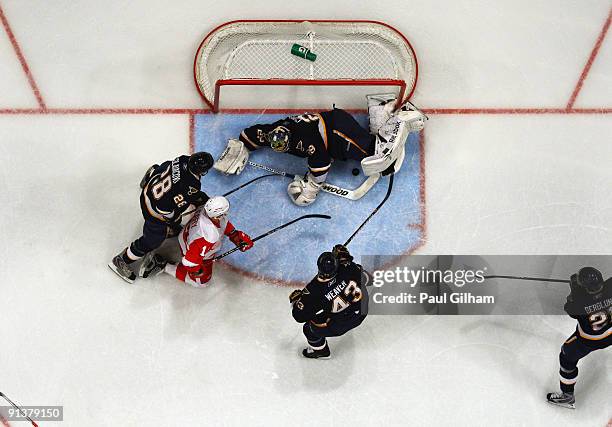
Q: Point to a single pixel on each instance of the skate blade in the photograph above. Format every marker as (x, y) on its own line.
(315, 358)
(112, 267)
(563, 405)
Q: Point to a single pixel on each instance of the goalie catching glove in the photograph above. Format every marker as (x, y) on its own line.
(241, 239)
(303, 191)
(233, 159)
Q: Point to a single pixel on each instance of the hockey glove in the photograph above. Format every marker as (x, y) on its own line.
(241, 239)
(203, 270)
(295, 295)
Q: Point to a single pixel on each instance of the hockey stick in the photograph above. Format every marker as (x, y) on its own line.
(274, 230)
(247, 183)
(373, 212)
(536, 279)
(351, 194)
(21, 411)
(233, 191)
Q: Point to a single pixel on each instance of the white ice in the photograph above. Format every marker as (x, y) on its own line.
(157, 353)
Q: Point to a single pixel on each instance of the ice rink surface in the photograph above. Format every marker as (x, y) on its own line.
(517, 161)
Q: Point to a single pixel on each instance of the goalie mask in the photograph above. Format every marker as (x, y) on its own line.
(590, 279)
(279, 139)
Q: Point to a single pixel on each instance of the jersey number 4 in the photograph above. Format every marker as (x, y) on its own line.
(351, 294)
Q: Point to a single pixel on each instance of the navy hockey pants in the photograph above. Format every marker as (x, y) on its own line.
(334, 328)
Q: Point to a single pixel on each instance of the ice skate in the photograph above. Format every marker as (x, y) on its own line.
(119, 266)
(311, 353)
(152, 265)
(565, 400)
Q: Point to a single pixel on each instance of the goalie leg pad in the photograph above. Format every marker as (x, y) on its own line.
(303, 191)
(233, 159)
(389, 148)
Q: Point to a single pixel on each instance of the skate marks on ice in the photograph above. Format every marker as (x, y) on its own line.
(289, 256)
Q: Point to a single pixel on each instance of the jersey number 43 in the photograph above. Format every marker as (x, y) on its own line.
(351, 294)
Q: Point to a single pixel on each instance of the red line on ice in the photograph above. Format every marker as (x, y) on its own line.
(22, 60)
(517, 111)
(422, 194)
(191, 133)
(587, 67)
(193, 111)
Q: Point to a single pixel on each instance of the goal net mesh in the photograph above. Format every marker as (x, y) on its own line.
(345, 52)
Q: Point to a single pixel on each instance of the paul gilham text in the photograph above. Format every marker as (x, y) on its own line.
(423, 297)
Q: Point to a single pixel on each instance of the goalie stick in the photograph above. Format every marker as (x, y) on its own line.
(351, 194)
(274, 230)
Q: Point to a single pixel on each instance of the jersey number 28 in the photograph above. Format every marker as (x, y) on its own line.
(163, 184)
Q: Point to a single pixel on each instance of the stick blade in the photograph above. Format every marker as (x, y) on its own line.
(317, 216)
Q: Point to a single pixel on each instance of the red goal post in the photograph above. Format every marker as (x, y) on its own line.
(349, 53)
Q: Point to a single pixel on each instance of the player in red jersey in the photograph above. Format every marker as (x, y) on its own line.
(200, 241)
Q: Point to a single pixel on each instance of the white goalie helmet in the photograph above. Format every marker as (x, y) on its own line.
(216, 206)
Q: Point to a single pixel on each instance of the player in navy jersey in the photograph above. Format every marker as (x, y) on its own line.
(590, 303)
(333, 303)
(170, 193)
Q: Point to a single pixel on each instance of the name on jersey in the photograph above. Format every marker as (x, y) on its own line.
(336, 291)
(176, 170)
(601, 305)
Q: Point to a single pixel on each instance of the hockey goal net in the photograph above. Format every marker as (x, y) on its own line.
(348, 54)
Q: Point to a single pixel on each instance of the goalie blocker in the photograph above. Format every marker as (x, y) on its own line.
(327, 136)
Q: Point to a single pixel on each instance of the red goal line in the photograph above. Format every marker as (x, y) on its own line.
(191, 111)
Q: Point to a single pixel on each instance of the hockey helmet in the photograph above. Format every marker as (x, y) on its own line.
(199, 163)
(279, 139)
(590, 279)
(327, 265)
(216, 206)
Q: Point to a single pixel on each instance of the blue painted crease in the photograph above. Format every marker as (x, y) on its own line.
(291, 254)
